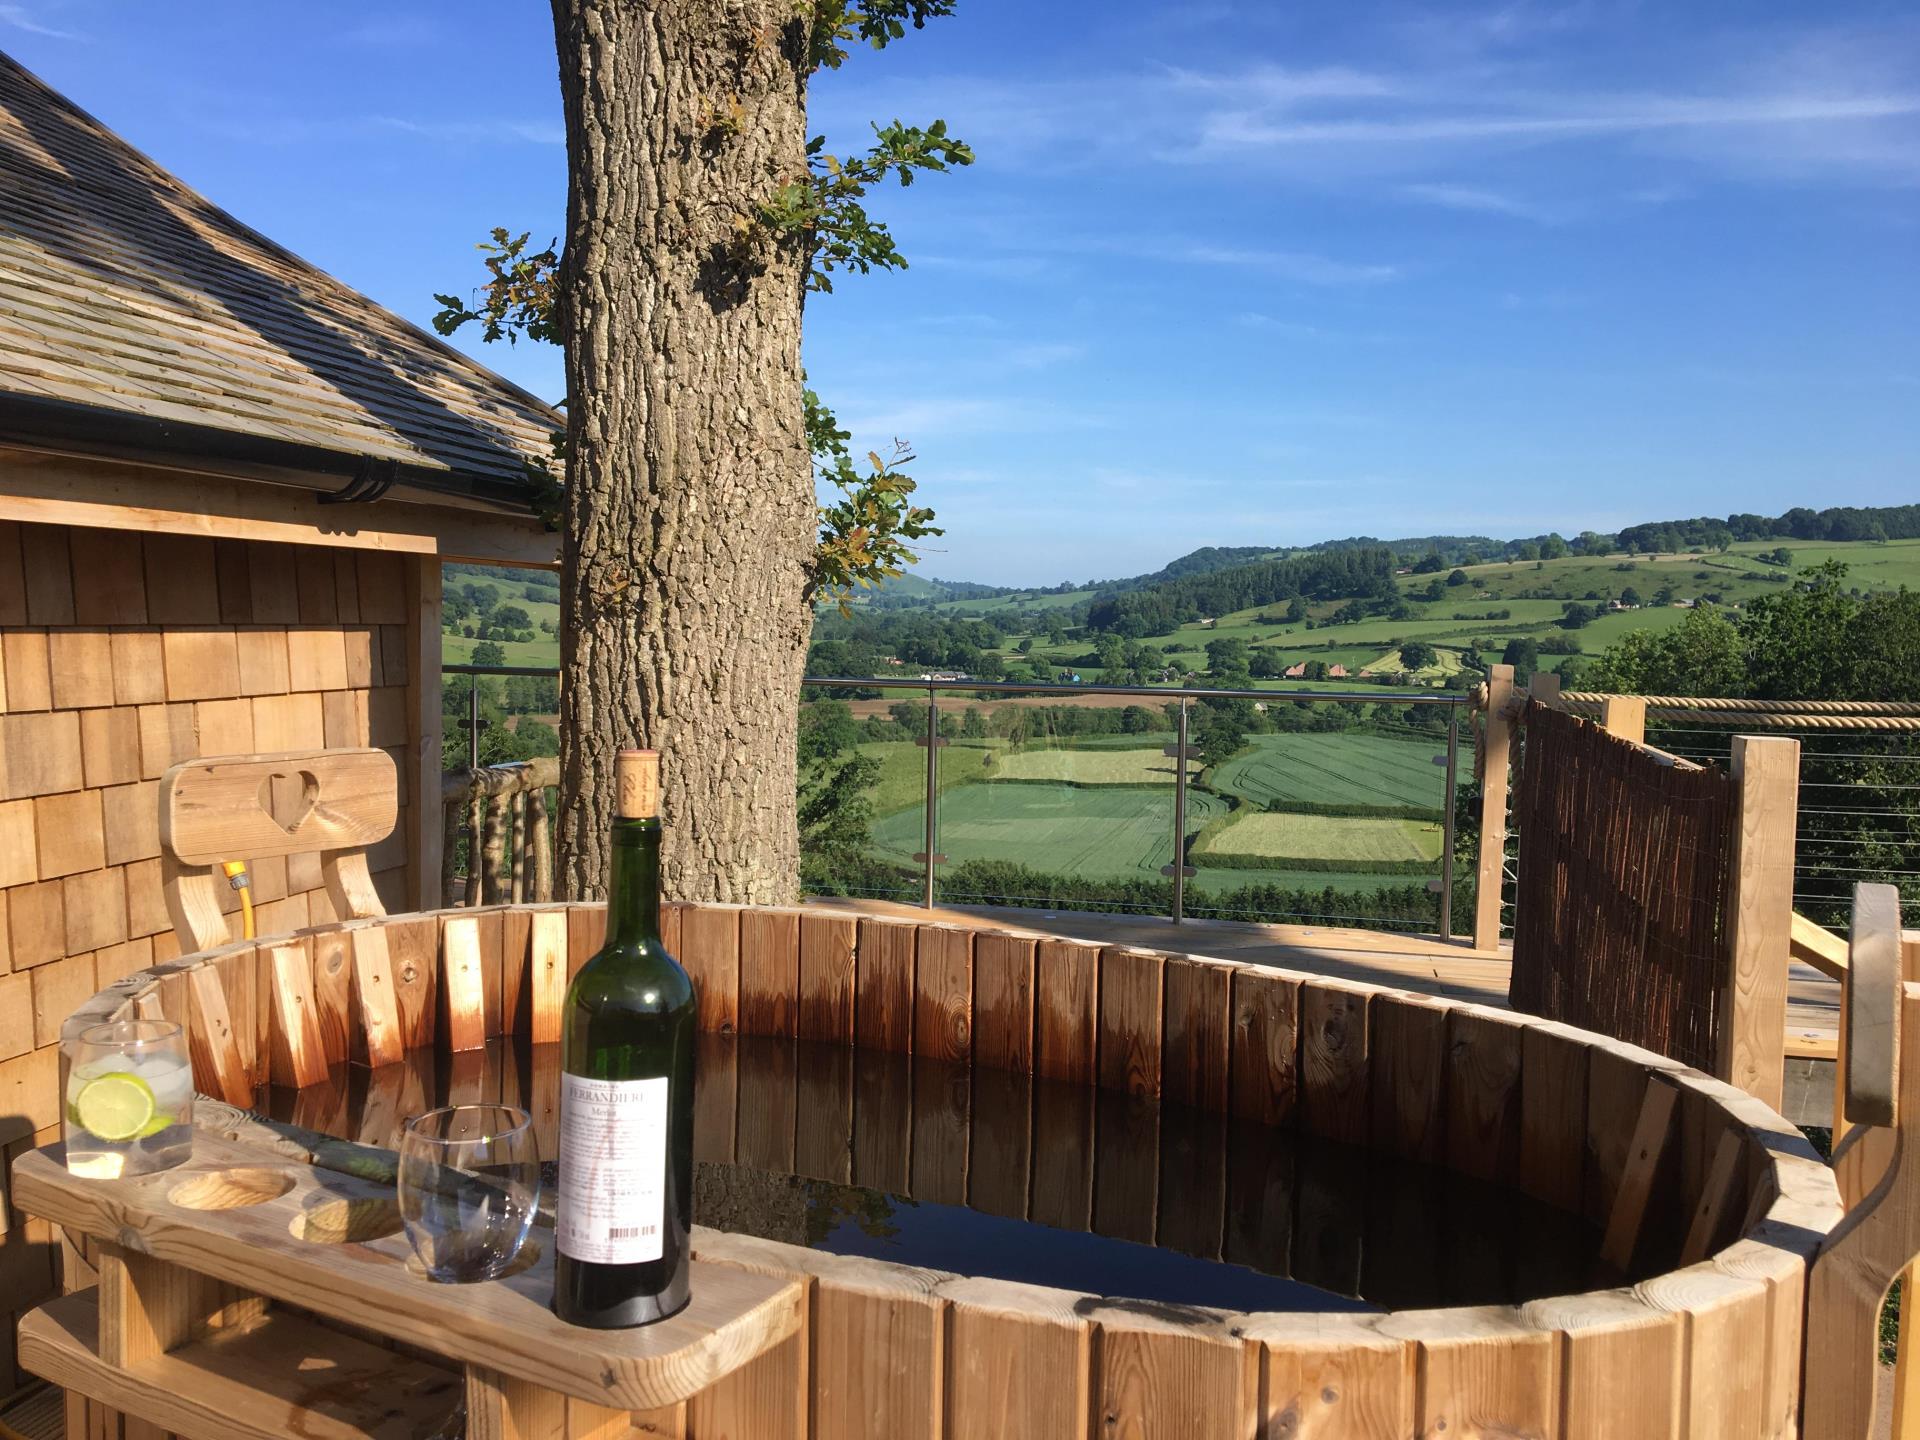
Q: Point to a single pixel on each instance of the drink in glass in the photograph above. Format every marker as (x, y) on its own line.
(129, 1099)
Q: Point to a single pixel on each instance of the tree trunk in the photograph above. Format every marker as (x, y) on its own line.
(690, 520)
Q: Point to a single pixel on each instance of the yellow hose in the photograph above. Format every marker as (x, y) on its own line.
(236, 873)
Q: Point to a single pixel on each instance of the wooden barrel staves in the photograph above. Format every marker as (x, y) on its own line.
(1713, 1201)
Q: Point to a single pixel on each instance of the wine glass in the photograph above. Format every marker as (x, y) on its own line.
(469, 1187)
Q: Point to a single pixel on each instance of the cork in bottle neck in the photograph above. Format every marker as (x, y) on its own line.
(636, 775)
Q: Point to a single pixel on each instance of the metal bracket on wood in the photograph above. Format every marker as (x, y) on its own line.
(920, 857)
(1187, 870)
(937, 744)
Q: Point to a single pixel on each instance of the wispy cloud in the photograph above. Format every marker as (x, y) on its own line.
(533, 132)
(1290, 264)
(1477, 199)
(1044, 356)
(19, 17)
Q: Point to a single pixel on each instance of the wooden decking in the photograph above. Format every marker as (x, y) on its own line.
(1452, 969)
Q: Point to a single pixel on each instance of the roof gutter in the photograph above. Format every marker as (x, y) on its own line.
(66, 428)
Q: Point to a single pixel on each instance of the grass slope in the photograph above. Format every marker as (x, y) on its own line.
(1321, 837)
(1111, 832)
(1334, 770)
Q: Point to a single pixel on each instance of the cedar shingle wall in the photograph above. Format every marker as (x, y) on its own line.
(120, 654)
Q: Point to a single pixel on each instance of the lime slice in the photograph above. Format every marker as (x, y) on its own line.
(160, 1121)
(116, 1106)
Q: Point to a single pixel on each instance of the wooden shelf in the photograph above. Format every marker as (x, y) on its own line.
(274, 1376)
(371, 1280)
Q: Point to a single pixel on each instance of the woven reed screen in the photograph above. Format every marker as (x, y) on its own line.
(1619, 909)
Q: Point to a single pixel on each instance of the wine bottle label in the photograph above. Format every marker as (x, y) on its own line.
(613, 1169)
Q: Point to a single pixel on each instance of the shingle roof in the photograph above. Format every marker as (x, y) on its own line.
(123, 290)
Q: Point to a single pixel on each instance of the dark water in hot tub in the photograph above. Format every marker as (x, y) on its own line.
(988, 1173)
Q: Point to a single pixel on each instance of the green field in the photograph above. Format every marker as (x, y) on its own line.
(1110, 833)
(1104, 766)
(1334, 770)
(903, 770)
(1283, 837)
(458, 650)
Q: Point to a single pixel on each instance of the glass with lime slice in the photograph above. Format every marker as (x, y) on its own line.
(129, 1098)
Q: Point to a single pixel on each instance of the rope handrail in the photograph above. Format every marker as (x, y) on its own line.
(1748, 705)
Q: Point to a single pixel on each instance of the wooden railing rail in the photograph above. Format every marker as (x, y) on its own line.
(503, 811)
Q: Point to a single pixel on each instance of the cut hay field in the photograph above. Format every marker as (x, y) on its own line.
(1335, 770)
(1099, 833)
(1285, 837)
(1103, 766)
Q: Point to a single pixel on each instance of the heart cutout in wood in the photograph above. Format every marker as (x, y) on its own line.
(290, 798)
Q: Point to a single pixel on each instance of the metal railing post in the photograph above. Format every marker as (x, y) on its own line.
(1179, 866)
(931, 854)
(473, 722)
(1446, 824)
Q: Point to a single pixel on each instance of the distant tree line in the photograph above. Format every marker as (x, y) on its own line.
(1157, 609)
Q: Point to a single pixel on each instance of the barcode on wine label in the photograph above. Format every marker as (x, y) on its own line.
(632, 1232)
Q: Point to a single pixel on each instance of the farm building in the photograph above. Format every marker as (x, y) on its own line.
(1336, 672)
(227, 484)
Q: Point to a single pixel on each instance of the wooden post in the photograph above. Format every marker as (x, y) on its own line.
(421, 773)
(1495, 745)
(1544, 686)
(1625, 716)
(539, 847)
(1766, 779)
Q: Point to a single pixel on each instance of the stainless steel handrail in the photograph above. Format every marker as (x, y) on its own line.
(1185, 694)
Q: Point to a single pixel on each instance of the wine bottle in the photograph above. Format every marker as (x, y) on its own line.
(624, 1211)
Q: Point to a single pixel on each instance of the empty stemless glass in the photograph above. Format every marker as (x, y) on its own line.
(129, 1099)
(469, 1187)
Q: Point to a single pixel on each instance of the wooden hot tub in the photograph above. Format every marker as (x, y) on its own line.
(1710, 1202)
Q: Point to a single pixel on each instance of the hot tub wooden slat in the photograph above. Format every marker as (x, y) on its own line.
(298, 1058)
(1333, 1061)
(766, 1397)
(879, 1346)
(1621, 1365)
(282, 1375)
(546, 976)
(1066, 987)
(710, 951)
(943, 993)
(825, 1008)
(1726, 1318)
(1020, 1362)
(1483, 1094)
(1197, 1027)
(1003, 1001)
(769, 970)
(376, 1040)
(587, 932)
(1408, 1048)
(1480, 1371)
(1130, 1011)
(1333, 1377)
(1553, 1116)
(413, 947)
(1173, 1370)
(883, 986)
(333, 990)
(734, 1314)
(462, 987)
(1265, 1053)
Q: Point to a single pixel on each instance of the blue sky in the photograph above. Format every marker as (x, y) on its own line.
(1225, 273)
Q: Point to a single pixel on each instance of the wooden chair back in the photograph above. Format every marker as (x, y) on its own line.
(261, 807)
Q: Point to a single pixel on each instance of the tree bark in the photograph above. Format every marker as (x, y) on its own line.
(690, 520)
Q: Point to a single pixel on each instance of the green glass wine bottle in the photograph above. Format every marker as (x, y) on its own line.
(624, 1211)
